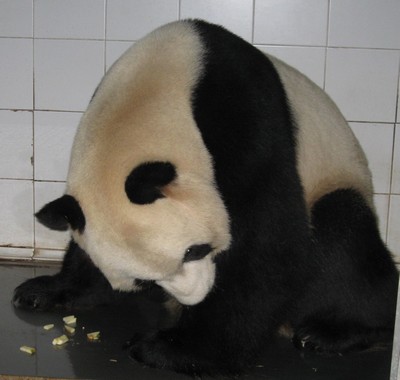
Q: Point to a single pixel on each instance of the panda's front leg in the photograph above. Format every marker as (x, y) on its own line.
(78, 284)
(168, 349)
(190, 347)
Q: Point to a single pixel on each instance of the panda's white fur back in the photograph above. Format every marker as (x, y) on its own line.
(329, 157)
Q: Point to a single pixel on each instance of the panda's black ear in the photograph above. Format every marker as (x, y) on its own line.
(62, 213)
(144, 184)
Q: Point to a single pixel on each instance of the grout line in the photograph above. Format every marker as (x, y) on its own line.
(324, 47)
(33, 56)
(15, 179)
(260, 44)
(390, 123)
(31, 247)
(253, 22)
(105, 37)
(31, 179)
(33, 18)
(33, 184)
(396, 114)
(326, 43)
(390, 184)
(328, 19)
(33, 129)
(38, 110)
(393, 155)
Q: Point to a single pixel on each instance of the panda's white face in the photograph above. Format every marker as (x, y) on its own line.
(171, 239)
(142, 176)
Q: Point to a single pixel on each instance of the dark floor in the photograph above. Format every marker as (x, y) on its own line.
(107, 360)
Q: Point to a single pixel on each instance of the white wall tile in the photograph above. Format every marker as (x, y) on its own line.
(67, 73)
(289, 22)
(46, 192)
(16, 73)
(377, 142)
(396, 162)
(363, 83)
(398, 104)
(54, 134)
(69, 19)
(235, 15)
(309, 60)
(393, 239)
(48, 254)
(16, 144)
(366, 23)
(16, 218)
(16, 253)
(381, 202)
(16, 18)
(131, 20)
(114, 49)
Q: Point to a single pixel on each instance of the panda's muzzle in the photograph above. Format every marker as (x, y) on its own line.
(197, 252)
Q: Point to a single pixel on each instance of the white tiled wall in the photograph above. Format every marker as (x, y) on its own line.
(54, 52)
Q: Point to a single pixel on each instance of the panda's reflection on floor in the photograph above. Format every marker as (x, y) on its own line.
(141, 312)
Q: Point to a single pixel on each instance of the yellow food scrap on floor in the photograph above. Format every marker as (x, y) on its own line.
(93, 335)
(60, 340)
(70, 320)
(69, 329)
(28, 350)
(48, 327)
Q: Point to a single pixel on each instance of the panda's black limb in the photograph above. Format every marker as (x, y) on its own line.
(165, 349)
(78, 284)
(184, 352)
(350, 304)
(331, 338)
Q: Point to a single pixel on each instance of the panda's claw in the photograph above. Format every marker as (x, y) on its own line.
(333, 339)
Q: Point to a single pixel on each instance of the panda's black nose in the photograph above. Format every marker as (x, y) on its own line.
(197, 252)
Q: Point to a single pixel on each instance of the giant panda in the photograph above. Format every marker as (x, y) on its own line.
(226, 178)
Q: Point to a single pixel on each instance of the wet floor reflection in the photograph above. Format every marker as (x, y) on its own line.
(106, 359)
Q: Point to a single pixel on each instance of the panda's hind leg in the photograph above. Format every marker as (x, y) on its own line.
(350, 303)
(326, 336)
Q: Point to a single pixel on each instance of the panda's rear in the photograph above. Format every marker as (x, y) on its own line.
(329, 156)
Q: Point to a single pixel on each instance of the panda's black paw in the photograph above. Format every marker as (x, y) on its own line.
(310, 340)
(152, 349)
(37, 293)
(162, 349)
(330, 339)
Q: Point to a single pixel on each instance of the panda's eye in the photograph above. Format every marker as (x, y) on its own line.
(197, 252)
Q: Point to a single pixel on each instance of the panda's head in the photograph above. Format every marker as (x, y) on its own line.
(141, 197)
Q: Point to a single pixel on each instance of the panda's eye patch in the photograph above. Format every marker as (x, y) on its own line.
(197, 252)
(145, 182)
